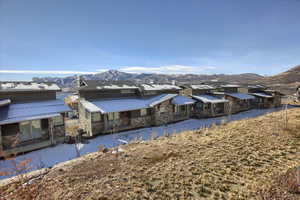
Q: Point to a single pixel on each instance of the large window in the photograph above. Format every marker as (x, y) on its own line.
(199, 106)
(176, 109)
(87, 114)
(96, 117)
(58, 120)
(127, 91)
(113, 116)
(182, 108)
(30, 130)
(143, 112)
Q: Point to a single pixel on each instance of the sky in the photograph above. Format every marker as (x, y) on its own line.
(65, 37)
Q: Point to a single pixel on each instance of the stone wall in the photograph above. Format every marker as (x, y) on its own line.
(164, 113)
(59, 131)
(85, 121)
(141, 122)
(97, 127)
(23, 96)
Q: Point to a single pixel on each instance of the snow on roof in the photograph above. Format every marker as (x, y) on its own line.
(161, 98)
(209, 99)
(34, 110)
(255, 86)
(160, 87)
(5, 102)
(182, 100)
(124, 104)
(15, 86)
(116, 87)
(102, 85)
(242, 96)
(202, 87)
(260, 94)
(229, 86)
(90, 106)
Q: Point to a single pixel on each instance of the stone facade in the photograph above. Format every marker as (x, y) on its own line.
(163, 113)
(11, 139)
(210, 110)
(238, 105)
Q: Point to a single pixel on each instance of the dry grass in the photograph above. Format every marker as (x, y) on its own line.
(238, 160)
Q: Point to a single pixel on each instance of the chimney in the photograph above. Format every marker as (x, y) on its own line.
(78, 81)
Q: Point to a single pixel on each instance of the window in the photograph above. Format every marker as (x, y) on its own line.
(151, 92)
(113, 116)
(176, 109)
(182, 108)
(127, 91)
(96, 117)
(58, 120)
(30, 130)
(116, 115)
(36, 128)
(25, 130)
(87, 114)
(110, 116)
(162, 109)
(199, 106)
(143, 112)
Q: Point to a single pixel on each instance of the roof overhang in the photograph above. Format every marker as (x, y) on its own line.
(21, 119)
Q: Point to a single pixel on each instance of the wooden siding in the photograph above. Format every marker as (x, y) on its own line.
(107, 94)
(24, 96)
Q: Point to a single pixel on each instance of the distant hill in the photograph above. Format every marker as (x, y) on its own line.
(288, 77)
(286, 82)
(114, 75)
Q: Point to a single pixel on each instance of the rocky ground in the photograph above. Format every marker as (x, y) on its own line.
(246, 159)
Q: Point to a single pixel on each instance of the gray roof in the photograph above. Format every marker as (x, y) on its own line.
(241, 96)
(10, 86)
(159, 87)
(106, 85)
(261, 94)
(182, 100)
(35, 110)
(209, 99)
(202, 87)
(125, 104)
(230, 86)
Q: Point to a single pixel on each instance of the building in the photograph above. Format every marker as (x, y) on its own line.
(207, 104)
(238, 101)
(112, 107)
(210, 106)
(30, 120)
(264, 97)
(277, 96)
(156, 89)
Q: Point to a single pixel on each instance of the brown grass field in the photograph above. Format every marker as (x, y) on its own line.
(246, 159)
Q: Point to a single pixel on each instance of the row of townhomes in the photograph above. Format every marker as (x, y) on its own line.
(117, 106)
(31, 117)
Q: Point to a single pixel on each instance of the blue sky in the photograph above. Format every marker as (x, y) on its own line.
(62, 37)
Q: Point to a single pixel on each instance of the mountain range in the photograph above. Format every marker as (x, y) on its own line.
(286, 82)
(115, 75)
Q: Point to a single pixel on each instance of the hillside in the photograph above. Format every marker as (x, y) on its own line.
(288, 77)
(238, 160)
(114, 75)
(286, 82)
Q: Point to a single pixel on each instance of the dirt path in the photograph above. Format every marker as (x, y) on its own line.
(232, 161)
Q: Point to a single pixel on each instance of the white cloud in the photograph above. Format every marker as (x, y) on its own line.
(44, 72)
(168, 69)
